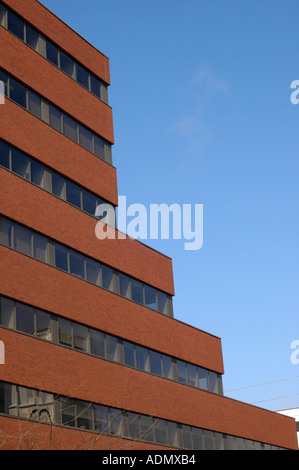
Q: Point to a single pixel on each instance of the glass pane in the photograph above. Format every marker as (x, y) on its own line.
(107, 278)
(104, 93)
(84, 415)
(101, 418)
(2, 16)
(4, 81)
(95, 86)
(181, 365)
(203, 378)
(18, 93)
(129, 349)
(85, 138)
(73, 194)
(61, 257)
(167, 367)
(65, 332)
(7, 313)
(192, 375)
(8, 399)
(213, 382)
(68, 412)
(40, 247)
(150, 297)
(37, 173)
(108, 153)
(172, 430)
(28, 406)
(20, 164)
(160, 431)
(187, 437)
(99, 147)
(43, 325)
(137, 291)
(15, 25)
(35, 104)
(209, 440)
(142, 358)
(112, 348)
(55, 118)
(124, 285)
(25, 318)
(58, 185)
(162, 302)
(4, 155)
(155, 362)
(82, 76)
(67, 64)
(116, 422)
(97, 343)
(52, 53)
(70, 128)
(32, 37)
(198, 442)
(93, 272)
(146, 424)
(5, 232)
(89, 202)
(219, 441)
(80, 334)
(133, 425)
(22, 240)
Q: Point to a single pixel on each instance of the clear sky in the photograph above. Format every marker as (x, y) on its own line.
(200, 91)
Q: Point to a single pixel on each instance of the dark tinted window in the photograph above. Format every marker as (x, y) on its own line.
(77, 264)
(70, 128)
(73, 194)
(25, 318)
(18, 93)
(22, 240)
(37, 173)
(4, 155)
(129, 354)
(52, 53)
(20, 164)
(95, 86)
(61, 257)
(35, 104)
(15, 25)
(85, 138)
(58, 185)
(137, 291)
(32, 37)
(55, 118)
(82, 76)
(67, 64)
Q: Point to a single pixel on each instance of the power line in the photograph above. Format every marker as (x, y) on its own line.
(260, 385)
(277, 398)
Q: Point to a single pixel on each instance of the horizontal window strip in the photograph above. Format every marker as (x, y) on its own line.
(55, 55)
(54, 117)
(45, 178)
(24, 318)
(55, 410)
(46, 250)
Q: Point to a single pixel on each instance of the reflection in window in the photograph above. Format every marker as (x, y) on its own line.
(142, 358)
(43, 325)
(137, 291)
(65, 332)
(58, 186)
(80, 333)
(107, 278)
(32, 37)
(37, 174)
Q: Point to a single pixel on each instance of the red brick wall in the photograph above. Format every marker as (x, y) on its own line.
(60, 370)
(42, 286)
(54, 85)
(60, 33)
(32, 136)
(59, 220)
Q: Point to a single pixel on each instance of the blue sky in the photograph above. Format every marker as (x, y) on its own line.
(200, 91)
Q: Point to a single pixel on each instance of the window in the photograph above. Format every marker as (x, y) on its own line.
(99, 147)
(116, 422)
(80, 337)
(133, 425)
(52, 53)
(40, 247)
(4, 80)
(61, 257)
(93, 272)
(77, 264)
(35, 104)
(162, 302)
(70, 128)
(129, 352)
(112, 348)
(85, 138)
(15, 25)
(43, 325)
(5, 232)
(172, 431)
(25, 318)
(146, 424)
(22, 240)
(137, 291)
(104, 93)
(7, 312)
(89, 202)
(209, 440)
(82, 76)
(32, 37)
(73, 194)
(58, 186)
(181, 365)
(213, 382)
(67, 65)
(20, 164)
(124, 285)
(4, 155)
(187, 436)
(160, 431)
(97, 343)
(150, 297)
(155, 363)
(142, 358)
(68, 412)
(101, 418)
(107, 278)
(18, 93)
(192, 375)
(55, 118)
(37, 174)
(95, 86)
(203, 378)
(84, 415)
(2, 16)
(65, 332)
(198, 441)
(167, 367)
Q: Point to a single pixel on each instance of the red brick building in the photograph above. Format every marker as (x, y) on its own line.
(93, 355)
